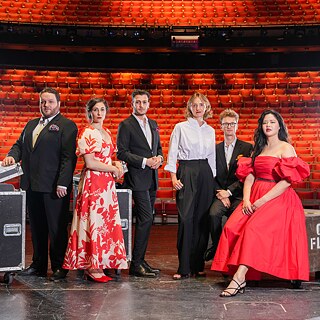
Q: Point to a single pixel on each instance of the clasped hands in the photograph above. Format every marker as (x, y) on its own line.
(118, 170)
(154, 162)
(223, 196)
(249, 208)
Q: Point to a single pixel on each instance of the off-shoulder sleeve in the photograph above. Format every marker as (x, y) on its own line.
(244, 168)
(89, 141)
(292, 169)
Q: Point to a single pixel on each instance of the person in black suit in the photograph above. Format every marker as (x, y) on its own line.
(229, 192)
(138, 144)
(46, 149)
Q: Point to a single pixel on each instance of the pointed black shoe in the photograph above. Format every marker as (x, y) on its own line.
(140, 271)
(32, 271)
(58, 275)
(149, 268)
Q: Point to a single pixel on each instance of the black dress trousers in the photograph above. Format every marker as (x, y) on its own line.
(193, 203)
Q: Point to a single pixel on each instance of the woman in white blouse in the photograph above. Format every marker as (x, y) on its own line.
(192, 145)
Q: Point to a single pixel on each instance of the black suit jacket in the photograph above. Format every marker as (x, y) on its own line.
(52, 160)
(225, 178)
(132, 148)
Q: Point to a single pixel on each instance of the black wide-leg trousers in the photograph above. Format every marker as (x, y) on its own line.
(193, 203)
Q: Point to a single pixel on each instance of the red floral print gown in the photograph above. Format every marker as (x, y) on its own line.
(96, 238)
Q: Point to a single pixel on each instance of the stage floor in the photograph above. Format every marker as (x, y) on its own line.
(160, 298)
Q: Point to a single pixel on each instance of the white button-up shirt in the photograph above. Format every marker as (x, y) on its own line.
(145, 127)
(228, 150)
(189, 141)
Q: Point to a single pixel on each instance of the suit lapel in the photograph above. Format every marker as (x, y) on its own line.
(136, 126)
(222, 157)
(235, 154)
(28, 137)
(45, 130)
(153, 129)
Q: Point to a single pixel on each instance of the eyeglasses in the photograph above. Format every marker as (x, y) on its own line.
(228, 124)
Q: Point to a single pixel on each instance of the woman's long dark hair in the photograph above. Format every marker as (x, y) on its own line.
(260, 140)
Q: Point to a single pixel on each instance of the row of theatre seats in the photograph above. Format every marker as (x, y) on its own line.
(162, 12)
(19, 103)
(71, 82)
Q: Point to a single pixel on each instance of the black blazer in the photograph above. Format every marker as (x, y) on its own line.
(132, 148)
(225, 178)
(52, 160)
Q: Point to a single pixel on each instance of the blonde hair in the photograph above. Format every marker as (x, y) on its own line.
(228, 113)
(204, 99)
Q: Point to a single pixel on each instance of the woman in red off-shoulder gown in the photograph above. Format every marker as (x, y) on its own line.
(267, 231)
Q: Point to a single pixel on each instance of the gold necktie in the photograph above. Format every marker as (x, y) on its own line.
(37, 131)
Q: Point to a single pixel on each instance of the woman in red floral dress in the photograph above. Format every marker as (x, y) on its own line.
(96, 238)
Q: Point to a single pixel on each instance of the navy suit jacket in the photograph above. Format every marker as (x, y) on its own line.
(132, 148)
(52, 160)
(225, 178)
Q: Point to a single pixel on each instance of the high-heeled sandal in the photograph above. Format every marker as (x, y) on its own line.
(239, 289)
(96, 276)
(178, 276)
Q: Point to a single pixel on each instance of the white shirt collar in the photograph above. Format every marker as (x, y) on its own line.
(194, 123)
(231, 144)
(47, 120)
(141, 120)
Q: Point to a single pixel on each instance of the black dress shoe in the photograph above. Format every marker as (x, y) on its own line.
(141, 271)
(58, 275)
(32, 271)
(149, 268)
(209, 254)
(116, 275)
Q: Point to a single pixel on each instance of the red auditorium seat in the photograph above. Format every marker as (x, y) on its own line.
(315, 143)
(165, 193)
(165, 183)
(316, 174)
(300, 185)
(314, 185)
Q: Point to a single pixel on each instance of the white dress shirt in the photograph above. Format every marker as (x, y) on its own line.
(228, 149)
(145, 127)
(189, 141)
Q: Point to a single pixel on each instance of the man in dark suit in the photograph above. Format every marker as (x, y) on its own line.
(229, 192)
(46, 149)
(138, 143)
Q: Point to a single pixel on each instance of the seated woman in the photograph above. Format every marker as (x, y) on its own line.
(267, 232)
(96, 238)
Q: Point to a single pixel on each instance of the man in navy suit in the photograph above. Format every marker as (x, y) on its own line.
(138, 143)
(46, 149)
(229, 192)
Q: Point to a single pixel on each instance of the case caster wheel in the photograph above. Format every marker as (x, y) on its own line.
(8, 278)
(296, 284)
(117, 272)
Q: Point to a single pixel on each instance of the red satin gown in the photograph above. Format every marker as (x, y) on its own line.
(273, 240)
